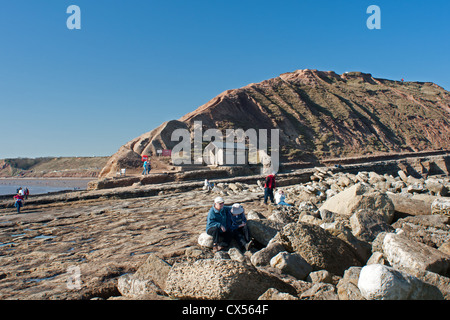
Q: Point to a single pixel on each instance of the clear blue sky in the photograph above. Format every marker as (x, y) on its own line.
(135, 64)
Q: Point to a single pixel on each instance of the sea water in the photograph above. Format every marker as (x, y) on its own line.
(41, 186)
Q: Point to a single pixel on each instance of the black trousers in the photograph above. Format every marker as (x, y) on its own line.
(242, 236)
(268, 192)
(220, 238)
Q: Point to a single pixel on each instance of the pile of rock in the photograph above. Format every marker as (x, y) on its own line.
(227, 189)
(325, 184)
(346, 237)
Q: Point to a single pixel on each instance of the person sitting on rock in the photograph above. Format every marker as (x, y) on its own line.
(239, 227)
(280, 198)
(18, 203)
(218, 224)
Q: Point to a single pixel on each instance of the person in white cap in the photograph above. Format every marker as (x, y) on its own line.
(239, 227)
(218, 224)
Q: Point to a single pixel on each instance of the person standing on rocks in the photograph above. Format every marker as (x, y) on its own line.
(149, 166)
(269, 187)
(218, 224)
(18, 203)
(144, 172)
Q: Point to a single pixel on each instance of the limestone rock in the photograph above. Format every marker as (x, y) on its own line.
(367, 224)
(441, 282)
(154, 268)
(320, 291)
(360, 196)
(318, 247)
(379, 282)
(320, 276)
(432, 230)
(205, 240)
(131, 286)
(264, 230)
(347, 288)
(436, 187)
(263, 256)
(292, 264)
(441, 206)
(408, 205)
(149, 278)
(220, 280)
(274, 294)
(377, 258)
(402, 252)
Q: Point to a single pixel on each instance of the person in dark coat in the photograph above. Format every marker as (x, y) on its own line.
(269, 187)
(218, 224)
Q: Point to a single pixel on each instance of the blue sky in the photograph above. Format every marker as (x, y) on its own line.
(135, 64)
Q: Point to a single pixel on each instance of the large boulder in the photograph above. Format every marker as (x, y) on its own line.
(347, 288)
(150, 278)
(318, 247)
(220, 279)
(264, 230)
(360, 196)
(263, 256)
(405, 253)
(409, 205)
(367, 224)
(432, 230)
(379, 282)
(292, 264)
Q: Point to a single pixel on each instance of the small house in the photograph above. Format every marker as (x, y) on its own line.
(218, 153)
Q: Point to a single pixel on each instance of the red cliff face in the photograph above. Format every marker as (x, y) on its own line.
(321, 115)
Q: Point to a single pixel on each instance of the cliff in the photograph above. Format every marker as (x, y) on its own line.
(320, 115)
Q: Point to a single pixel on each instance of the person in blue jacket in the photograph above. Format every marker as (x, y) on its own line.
(218, 224)
(145, 171)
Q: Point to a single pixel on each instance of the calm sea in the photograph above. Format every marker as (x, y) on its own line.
(41, 186)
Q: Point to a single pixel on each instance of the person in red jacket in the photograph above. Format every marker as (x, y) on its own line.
(18, 201)
(269, 186)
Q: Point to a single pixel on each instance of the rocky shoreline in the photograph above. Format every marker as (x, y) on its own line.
(344, 232)
(342, 240)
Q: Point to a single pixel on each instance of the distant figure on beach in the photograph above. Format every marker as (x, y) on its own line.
(218, 224)
(269, 187)
(239, 227)
(18, 201)
(280, 198)
(144, 172)
(26, 193)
